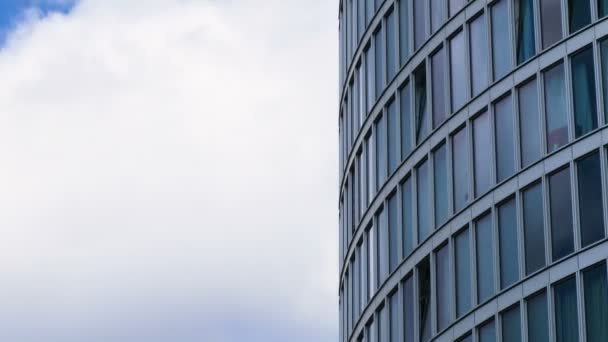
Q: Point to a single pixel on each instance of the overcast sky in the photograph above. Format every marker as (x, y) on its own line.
(168, 170)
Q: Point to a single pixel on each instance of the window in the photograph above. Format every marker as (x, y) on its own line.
(443, 287)
(555, 108)
(460, 162)
(381, 323)
(440, 173)
(590, 199)
(529, 123)
(500, 39)
(370, 326)
(507, 238)
(380, 60)
(538, 321)
(419, 23)
(551, 21)
(382, 246)
(393, 137)
(408, 309)
(438, 14)
(424, 299)
(462, 272)
(422, 122)
(487, 332)
(404, 48)
(394, 317)
(362, 164)
(524, 30)
(391, 50)
(363, 275)
(580, 14)
(406, 120)
(604, 61)
(355, 269)
(370, 78)
(424, 201)
(485, 258)
(369, 172)
(438, 87)
(369, 9)
(566, 315)
(381, 153)
(534, 237)
(479, 55)
(602, 8)
(407, 214)
(455, 6)
(511, 329)
(457, 72)
(583, 89)
(393, 231)
(596, 303)
(361, 17)
(466, 338)
(505, 143)
(482, 153)
(371, 260)
(562, 236)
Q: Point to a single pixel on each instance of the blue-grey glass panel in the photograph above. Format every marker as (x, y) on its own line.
(404, 31)
(369, 172)
(369, 10)
(381, 324)
(566, 315)
(538, 320)
(560, 202)
(463, 273)
(380, 62)
(505, 141)
(501, 53)
(382, 246)
(482, 153)
(391, 46)
(507, 237)
(408, 310)
(485, 258)
(440, 173)
(379, 3)
(443, 287)
(422, 120)
(579, 14)
(555, 108)
(355, 269)
(394, 317)
(529, 123)
(479, 55)
(406, 120)
(393, 231)
(408, 217)
(369, 329)
(602, 8)
(363, 278)
(381, 153)
(596, 303)
(551, 21)
(361, 17)
(534, 236)
(487, 332)
(424, 300)
(455, 6)
(438, 87)
(424, 201)
(604, 61)
(438, 15)
(524, 30)
(369, 77)
(511, 327)
(458, 78)
(583, 89)
(419, 22)
(371, 261)
(393, 137)
(460, 162)
(590, 200)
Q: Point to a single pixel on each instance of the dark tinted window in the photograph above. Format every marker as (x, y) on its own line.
(538, 320)
(424, 300)
(406, 120)
(443, 287)
(507, 237)
(500, 39)
(479, 55)
(393, 231)
(534, 238)
(550, 16)
(391, 42)
(511, 328)
(369, 76)
(404, 49)
(381, 153)
(580, 14)
(602, 8)
(438, 86)
(458, 72)
(408, 310)
(604, 61)
(590, 199)
(482, 153)
(408, 217)
(441, 185)
(424, 201)
(583, 89)
(380, 60)
(560, 202)
(524, 29)
(555, 108)
(460, 162)
(529, 123)
(505, 145)
(566, 315)
(487, 332)
(382, 247)
(596, 303)
(394, 318)
(422, 121)
(393, 137)
(485, 258)
(419, 22)
(463, 273)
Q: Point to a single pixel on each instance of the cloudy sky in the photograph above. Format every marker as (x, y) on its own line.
(168, 170)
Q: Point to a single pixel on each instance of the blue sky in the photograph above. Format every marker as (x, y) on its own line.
(169, 171)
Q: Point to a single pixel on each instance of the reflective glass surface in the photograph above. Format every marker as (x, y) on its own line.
(485, 258)
(562, 235)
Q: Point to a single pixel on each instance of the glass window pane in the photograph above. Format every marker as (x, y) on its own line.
(442, 282)
(408, 217)
(500, 38)
(590, 199)
(363, 278)
(404, 21)
(560, 202)
(424, 201)
(467, 338)
(360, 17)
(381, 325)
(566, 315)
(369, 10)
(424, 300)
(534, 238)
(580, 14)
(394, 317)
(529, 123)
(406, 120)
(438, 8)
(408, 310)
(583, 89)
(538, 320)
(438, 87)
(524, 30)
(393, 137)
(370, 78)
(422, 121)
(511, 328)
(463, 273)
(458, 72)
(487, 332)
(440, 170)
(380, 62)
(505, 143)
(596, 303)
(550, 17)
(371, 261)
(555, 108)
(391, 51)
(393, 231)
(507, 237)
(419, 23)
(382, 246)
(460, 161)
(455, 6)
(482, 153)
(485, 258)
(479, 55)
(370, 168)
(602, 8)
(604, 67)
(381, 153)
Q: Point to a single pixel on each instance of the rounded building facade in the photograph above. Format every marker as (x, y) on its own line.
(473, 170)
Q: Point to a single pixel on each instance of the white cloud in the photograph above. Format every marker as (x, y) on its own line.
(161, 157)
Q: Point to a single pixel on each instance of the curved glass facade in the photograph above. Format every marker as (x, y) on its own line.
(473, 170)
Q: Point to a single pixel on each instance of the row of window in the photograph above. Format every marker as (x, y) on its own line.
(555, 306)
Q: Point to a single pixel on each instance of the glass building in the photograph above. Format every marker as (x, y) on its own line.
(473, 170)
